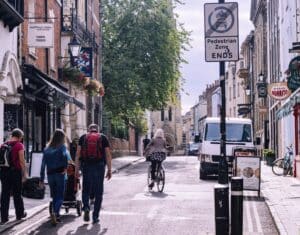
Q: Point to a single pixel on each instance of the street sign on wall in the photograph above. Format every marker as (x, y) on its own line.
(221, 32)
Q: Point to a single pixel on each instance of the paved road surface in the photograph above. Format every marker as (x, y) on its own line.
(186, 206)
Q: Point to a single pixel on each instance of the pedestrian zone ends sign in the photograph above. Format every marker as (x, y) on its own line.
(221, 32)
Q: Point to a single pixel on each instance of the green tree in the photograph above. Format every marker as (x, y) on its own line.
(142, 47)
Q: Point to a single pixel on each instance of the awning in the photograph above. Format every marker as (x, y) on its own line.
(58, 92)
(288, 105)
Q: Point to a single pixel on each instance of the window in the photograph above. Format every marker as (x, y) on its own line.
(170, 114)
(162, 115)
(234, 132)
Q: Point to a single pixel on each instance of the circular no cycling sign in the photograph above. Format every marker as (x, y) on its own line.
(221, 19)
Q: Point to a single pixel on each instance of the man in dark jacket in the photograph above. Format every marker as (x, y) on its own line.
(11, 178)
(93, 170)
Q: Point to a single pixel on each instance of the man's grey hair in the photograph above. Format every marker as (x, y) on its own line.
(159, 133)
(93, 127)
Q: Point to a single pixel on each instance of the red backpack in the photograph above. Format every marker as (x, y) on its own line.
(91, 150)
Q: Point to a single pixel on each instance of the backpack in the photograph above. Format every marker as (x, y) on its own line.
(5, 155)
(91, 149)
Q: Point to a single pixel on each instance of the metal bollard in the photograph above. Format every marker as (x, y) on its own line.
(237, 205)
(221, 209)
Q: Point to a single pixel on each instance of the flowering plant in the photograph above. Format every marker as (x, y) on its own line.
(94, 87)
(74, 76)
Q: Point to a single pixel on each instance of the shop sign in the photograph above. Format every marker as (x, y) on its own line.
(293, 74)
(84, 61)
(262, 90)
(249, 169)
(40, 35)
(279, 90)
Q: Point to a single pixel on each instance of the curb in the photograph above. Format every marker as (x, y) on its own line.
(279, 225)
(30, 213)
(38, 209)
(126, 165)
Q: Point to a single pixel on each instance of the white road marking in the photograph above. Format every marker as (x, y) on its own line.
(153, 212)
(28, 228)
(256, 217)
(170, 195)
(175, 218)
(118, 213)
(248, 216)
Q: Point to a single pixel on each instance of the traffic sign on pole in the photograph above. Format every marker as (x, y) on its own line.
(221, 32)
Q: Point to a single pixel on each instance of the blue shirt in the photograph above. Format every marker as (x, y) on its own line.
(54, 158)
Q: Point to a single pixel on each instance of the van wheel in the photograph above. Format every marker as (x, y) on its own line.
(202, 175)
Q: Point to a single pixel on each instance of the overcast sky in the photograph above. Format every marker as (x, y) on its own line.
(198, 73)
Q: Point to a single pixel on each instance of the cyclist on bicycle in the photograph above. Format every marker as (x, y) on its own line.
(156, 152)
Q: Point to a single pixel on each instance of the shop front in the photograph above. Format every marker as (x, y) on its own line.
(43, 101)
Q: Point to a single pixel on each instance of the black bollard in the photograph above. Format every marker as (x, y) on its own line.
(222, 209)
(237, 205)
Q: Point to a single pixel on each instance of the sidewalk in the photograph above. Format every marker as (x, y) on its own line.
(282, 195)
(35, 206)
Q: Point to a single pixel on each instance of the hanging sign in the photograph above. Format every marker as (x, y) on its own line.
(279, 90)
(221, 32)
(40, 35)
(84, 61)
(293, 74)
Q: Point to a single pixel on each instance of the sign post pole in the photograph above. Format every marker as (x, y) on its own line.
(221, 45)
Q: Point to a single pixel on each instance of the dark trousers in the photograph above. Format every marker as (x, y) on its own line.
(11, 181)
(154, 165)
(92, 183)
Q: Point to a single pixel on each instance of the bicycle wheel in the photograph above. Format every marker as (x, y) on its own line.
(160, 179)
(278, 166)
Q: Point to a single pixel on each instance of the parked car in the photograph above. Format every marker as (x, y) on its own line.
(193, 149)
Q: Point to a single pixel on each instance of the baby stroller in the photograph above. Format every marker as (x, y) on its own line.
(71, 189)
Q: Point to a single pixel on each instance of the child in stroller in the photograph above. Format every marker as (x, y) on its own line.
(71, 189)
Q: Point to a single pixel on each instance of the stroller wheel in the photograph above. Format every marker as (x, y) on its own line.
(50, 208)
(79, 207)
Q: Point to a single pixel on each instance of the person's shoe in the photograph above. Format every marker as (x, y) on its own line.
(23, 216)
(86, 216)
(53, 220)
(58, 219)
(4, 222)
(151, 184)
(95, 221)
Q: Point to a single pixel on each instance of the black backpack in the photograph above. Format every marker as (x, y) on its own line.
(5, 155)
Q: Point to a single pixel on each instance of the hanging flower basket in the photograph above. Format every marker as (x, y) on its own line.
(95, 88)
(75, 77)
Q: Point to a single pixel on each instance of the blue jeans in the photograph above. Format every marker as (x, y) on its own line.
(57, 188)
(92, 182)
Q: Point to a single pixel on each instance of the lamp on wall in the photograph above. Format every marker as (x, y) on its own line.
(261, 77)
(74, 47)
(248, 91)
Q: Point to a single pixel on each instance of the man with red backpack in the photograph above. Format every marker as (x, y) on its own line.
(93, 154)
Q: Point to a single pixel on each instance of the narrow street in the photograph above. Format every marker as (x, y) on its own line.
(185, 207)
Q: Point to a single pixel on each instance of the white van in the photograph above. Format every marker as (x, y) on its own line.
(238, 134)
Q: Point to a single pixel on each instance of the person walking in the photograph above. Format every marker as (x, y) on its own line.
(93, 155)
(156, 152)
(55, 158)
(12, 177)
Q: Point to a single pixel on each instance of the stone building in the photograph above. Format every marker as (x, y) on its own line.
(168, 119)
(11, 16)
(258, 16)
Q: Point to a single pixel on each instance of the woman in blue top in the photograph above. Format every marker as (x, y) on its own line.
(55, 159)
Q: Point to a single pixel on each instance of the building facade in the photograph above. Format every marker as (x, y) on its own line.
(11, 16)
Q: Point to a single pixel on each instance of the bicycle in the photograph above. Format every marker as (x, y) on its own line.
(159, 177)
(284, 166)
